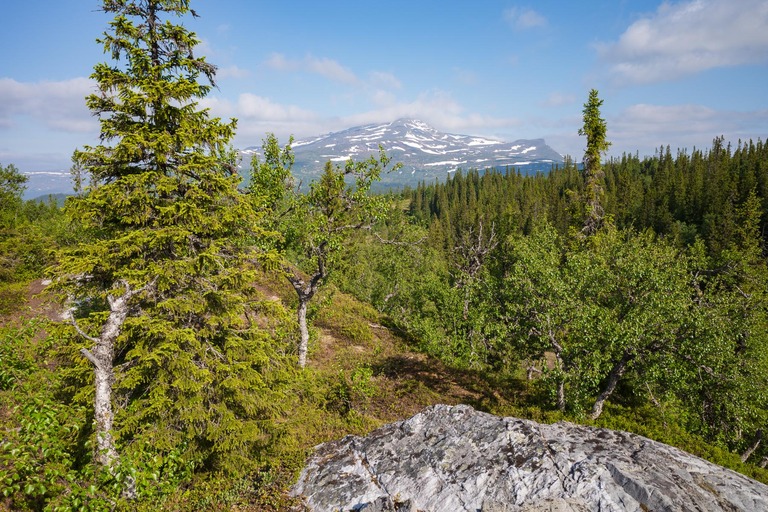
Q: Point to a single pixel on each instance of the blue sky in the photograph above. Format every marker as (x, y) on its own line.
(677, 73)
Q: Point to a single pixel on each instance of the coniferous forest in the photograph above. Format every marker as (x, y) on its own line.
(175, 338)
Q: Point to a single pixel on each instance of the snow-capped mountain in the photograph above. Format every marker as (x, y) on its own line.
(424, 152)
(41, 184)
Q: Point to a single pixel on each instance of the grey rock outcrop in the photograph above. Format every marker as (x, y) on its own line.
(453, 458)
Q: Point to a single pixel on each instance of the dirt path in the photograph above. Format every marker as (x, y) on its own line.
(37, 302)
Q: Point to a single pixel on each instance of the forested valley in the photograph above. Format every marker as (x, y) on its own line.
(176, 338)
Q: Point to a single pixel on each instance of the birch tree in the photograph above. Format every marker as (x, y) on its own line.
(315, 225)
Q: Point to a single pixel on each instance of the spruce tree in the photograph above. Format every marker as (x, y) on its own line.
(158, 287)
(595, 130)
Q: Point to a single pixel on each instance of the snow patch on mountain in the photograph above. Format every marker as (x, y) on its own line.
(421, 149)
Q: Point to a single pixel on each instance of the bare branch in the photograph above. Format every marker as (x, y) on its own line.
(743, 293)
(92, 358)
(474, 250)
(80, 331)
(398, 243)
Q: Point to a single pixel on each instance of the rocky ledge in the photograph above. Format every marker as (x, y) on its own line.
(453, 458)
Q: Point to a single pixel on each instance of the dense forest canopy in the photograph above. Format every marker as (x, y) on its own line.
(191, 369)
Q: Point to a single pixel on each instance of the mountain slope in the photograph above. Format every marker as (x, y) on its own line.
(424, 152)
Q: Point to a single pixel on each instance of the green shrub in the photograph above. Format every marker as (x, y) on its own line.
(36, 459)
(347, 318)
(649, 422)
(11, 297)
(15, 362)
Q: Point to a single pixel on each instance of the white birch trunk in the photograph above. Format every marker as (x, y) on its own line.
(613, 379)
(102, 356)
(303, 332)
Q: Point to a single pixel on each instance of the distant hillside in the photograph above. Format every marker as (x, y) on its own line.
(41, 184)
(425, 153)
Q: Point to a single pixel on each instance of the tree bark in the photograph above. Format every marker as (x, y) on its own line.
(561, 382)
(613, 379)
(102, 356)
(303, 331)
(558, 350)
(531, 370)
(104, 377)
(755, 445)
(305, 292)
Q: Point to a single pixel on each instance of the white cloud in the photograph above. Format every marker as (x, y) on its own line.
(330, 69)
(325, 67)
(645, 127)
(384, 80)
(377, 88)
(557, 99)
(382, 97)
(232, 72)
(689, 37)
(258, 115)
(252, 107)
(380, 88)
(522, 18)
(279, 62)
(58, 105)
(437, 108)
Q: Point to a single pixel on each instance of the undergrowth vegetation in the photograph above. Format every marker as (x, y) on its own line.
(352, 387)
(196, 339)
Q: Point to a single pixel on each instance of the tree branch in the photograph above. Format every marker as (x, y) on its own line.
(92, 358)
(398, 243)
(80, 331)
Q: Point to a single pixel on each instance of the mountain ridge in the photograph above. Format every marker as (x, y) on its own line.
(423, 152)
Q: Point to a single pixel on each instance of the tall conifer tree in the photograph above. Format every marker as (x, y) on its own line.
(158, 287)
(595, 130)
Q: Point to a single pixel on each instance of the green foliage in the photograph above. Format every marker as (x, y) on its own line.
(36, 461)
(315, 225)
(11, 189)
(346, 317)
(322, 219)
(730, 400)
(662, 312)
(271, 180)
(40, 435)
(162, 214)
(672, 323)
(46, 441)
(352, 389)
(15, 362)
(595, 130)
(29, 232)
(11, 296)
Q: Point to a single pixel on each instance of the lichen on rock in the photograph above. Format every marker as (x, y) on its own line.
(454, 458)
